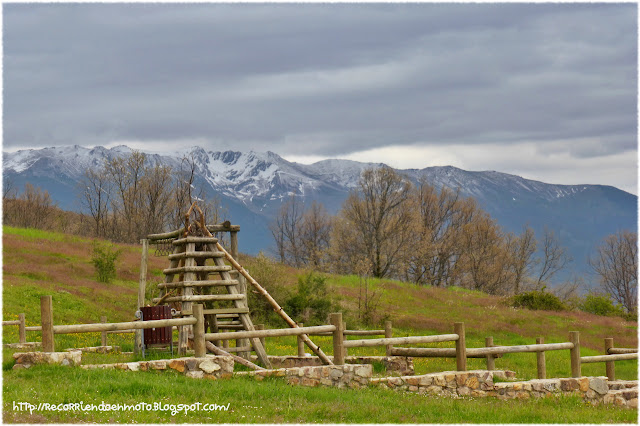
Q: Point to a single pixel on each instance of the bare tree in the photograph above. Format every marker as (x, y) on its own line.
(95, 196)
(522, 249)
(433, 257)
(554, 258)
(616, 264)
(379, 214)
(314, 235)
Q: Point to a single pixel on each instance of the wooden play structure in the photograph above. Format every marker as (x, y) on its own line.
(198, 274)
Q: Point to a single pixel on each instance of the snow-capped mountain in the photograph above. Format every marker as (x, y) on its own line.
(253, 185)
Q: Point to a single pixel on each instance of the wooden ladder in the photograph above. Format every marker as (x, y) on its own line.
(194, 284)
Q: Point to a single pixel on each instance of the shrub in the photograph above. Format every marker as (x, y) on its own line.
(269, 275)
(311, 301)
(538, 300)
(600, 304)
(104, 261)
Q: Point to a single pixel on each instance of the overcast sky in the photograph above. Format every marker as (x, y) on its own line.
(545, 91)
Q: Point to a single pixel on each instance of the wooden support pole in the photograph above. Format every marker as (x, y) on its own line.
(491, 360)
(461, 347)
(276, 307)
(103, 336)
(142, 288)
(198, 331)
(233, 237)
(610, 365)
(22, 332)
(388, 334)
(216, 350)
(574, 337)
(338, 338)
(540, 358)
(46, 320)
(300, 342)
(263, 341)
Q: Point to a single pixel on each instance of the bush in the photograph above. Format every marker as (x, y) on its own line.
(269, 275)
(311, 301)
(600, 304)
(104, 261)
(538, 300)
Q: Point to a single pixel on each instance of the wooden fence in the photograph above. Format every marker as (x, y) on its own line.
(341, 344)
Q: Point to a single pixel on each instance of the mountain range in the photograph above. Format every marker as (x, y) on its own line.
(253, 185)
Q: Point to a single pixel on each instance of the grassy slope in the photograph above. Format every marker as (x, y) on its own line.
(38, 263)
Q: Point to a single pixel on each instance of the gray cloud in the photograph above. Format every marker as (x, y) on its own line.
(325, 80)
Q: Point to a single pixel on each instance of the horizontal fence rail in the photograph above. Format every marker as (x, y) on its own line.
(135, 325)
(268, 333)
(615, 351)
(400, 340)
(606, 358)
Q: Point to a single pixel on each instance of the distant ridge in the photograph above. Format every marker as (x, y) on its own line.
(252, 185)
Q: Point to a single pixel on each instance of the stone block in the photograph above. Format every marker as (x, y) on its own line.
(472, 382)
(177, 364)
(195, 374)
(464, 391)
(425, 380)
(568, 385)
(160, 364)
(209, 367)
(599, 385)
(191, 364)
(583, 383)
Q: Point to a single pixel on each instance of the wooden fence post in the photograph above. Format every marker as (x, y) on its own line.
(491, 360)
(22, 333)
(46, 320)
(263, 341)
(541, 361)
(461, 347)
(338, 338)
(198, 331)
(610, 365)
(574, 337)
(103, 337)
(233, 239)
(300, 342)
(388, 333)
(142, 288)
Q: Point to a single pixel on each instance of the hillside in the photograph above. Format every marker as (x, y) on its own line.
(36, 263)
(252, 186)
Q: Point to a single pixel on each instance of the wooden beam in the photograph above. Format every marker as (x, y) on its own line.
(540, 360)
(133, 325)
(338, 338)
(461, 346)
(267, 333)
(400, 340)
(604, 358)
(491, 359)
(574, 337)
(204, 283)
(46, 320)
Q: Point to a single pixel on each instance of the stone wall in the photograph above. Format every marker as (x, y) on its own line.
(340, 376)
(28, 359)
(394, 365)
(208, 367)
(480, 383)
(97, 349)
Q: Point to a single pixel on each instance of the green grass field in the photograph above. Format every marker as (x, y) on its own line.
(38, 263)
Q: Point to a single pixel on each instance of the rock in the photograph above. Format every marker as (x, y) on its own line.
(133, 366)
(464, 391)
(209, 366)
(583, 383)
(364, 371)
(425, 380)
(568, 385)
(195, 374)
(336, 373)
(599, 385)
(177, 364)
(472, 382)
(158, 365)
(191, 364)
